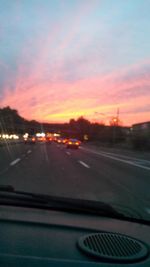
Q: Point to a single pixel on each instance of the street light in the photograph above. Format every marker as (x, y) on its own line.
(103, 115)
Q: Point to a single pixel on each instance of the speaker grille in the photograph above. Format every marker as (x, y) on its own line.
(113, 247)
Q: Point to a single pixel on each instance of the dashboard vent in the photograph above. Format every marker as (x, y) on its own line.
(113, 247)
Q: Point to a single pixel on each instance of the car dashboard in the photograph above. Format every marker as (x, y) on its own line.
(36, 237)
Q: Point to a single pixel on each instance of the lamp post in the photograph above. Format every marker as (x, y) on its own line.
(113, 122)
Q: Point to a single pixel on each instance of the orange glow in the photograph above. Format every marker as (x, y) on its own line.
(79, 98)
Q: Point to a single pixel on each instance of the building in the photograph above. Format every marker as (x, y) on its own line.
(141, 135)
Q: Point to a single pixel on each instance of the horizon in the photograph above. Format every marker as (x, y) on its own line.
(63, 60)
(67, 122)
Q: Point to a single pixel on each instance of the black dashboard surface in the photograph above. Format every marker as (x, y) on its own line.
(34, 237)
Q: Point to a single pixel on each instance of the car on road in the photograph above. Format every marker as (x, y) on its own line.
(73, 143)
(59, 140)
(48, 140)
(64, 141)
(31, 139)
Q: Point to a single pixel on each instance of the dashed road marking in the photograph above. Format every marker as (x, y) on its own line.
(15, 162)
(68, 153)
(29, 151)
(84, 164)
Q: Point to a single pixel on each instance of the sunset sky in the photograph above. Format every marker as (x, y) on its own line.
(61, 59)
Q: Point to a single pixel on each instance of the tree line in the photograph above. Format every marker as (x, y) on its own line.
(81, 128)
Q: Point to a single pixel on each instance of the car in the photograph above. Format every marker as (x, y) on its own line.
(48, 140)
(59, 140)
(42, 139)
(31, 139)
(64, 140)
(73, 143)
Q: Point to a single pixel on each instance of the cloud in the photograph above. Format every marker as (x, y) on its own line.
(54, 69)
(61, 100)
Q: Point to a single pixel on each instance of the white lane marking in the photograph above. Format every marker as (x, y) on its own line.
(68, 153)
(84, 164)
(128, 157)
(147, 210)
(118, 159)
(29, 151)
(15, 162)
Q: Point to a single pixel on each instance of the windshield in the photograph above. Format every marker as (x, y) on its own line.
(75, 100)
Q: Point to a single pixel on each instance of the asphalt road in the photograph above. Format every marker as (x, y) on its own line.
(118, 178)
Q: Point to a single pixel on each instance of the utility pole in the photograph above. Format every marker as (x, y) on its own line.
(117, 116)
(116, 123)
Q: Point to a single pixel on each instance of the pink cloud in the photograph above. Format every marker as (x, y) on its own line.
(59, 100)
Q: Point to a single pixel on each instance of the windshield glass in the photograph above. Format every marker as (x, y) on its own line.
(75, 100)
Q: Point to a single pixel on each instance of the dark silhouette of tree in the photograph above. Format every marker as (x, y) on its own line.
(10, 120)
(72, 123)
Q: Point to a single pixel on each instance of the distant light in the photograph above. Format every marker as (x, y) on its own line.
(56, 134)
(40, 134)
(25, 135)
(5, 136)
(11, 136)
(15, 136)
(86, 137)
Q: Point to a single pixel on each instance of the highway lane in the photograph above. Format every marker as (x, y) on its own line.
(11, 154)
(84, 173)
(122, 182)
